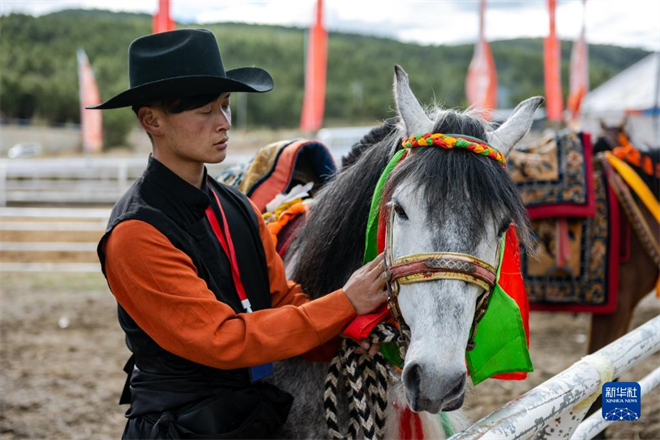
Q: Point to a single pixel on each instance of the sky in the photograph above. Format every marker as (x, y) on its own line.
(631, 23)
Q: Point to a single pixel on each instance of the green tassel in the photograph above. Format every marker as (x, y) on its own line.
(446, 425)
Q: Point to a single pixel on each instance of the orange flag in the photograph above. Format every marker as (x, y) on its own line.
(91, 121)
(481, 82)
(579, 80)
(554, 100)
(317, 56)
(162, 21)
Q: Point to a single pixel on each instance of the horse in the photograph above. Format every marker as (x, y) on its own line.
(443, 200)
(637, 275)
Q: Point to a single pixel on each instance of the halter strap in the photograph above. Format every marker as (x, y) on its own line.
(445, 265)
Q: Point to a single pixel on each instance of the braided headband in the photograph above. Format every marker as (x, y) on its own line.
(449, 141)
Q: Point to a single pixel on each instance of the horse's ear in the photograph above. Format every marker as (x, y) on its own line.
(509, 134)
(409, 109)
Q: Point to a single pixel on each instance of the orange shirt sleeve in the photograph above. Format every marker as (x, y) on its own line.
(158, 285)
(286, 292)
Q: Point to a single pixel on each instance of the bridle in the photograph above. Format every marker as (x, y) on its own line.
(423, 267)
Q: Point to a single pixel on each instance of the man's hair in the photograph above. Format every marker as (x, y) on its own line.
(177, 105)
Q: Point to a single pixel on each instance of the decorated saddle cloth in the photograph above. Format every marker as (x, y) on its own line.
(575, 217)
(280, 179)
(553, 176)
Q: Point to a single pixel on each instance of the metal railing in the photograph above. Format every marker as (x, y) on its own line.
(554, 409)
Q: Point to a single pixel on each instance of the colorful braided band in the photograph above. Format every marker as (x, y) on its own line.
(449, 141)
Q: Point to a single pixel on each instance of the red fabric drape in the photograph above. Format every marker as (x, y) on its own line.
(512, 283)
(481, 81)
(554, 101)
(317, 53)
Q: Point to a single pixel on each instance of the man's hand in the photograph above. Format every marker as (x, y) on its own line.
(366, 345)
(367, 287)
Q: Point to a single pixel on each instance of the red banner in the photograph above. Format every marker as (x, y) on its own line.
(579, 75)
(91, 121)
(481, 82)
(554, 99)
(162, 21)
(317, 55)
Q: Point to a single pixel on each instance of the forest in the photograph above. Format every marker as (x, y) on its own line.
(38, 76)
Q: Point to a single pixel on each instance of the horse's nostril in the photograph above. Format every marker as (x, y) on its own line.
(457, 389)
(412, 378)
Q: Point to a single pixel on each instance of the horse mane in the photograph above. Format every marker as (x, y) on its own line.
(334, 235)
(376, 135)
(330, 247)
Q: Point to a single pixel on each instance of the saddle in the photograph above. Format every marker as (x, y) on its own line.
(279, 179)
(576, 220)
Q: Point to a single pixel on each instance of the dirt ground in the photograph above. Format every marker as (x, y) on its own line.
(62, 353)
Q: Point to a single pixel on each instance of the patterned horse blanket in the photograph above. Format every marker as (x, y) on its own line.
(552, 176)
(575, 216)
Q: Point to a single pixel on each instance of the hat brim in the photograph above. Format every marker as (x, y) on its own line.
(244, 79)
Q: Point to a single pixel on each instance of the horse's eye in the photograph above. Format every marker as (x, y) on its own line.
(400, 212)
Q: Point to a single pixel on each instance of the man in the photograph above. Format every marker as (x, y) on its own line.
(201, 291)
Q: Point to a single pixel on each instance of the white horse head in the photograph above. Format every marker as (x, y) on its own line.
(448, 201)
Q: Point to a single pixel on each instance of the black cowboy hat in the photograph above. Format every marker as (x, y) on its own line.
(179, 64)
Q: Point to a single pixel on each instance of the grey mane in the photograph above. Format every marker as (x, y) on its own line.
(373, 137)
(335, 232)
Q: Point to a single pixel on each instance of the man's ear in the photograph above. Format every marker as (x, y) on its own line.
(151, 121)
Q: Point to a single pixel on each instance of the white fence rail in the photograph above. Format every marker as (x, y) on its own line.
(77, 180)
(102, 180)
(27, 228)
(595, 423)
(554, 409)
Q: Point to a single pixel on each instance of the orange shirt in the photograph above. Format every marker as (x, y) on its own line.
(158, 285)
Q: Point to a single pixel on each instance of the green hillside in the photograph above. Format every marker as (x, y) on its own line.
(39, 78)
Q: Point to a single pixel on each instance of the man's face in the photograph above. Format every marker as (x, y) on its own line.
(198, 135)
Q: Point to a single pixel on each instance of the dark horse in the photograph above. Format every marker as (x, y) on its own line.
(445, 200)
(638, 275)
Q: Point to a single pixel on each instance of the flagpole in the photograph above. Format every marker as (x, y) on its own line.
(481, 79)
(552, 70)
(579, 72)
(311, 117)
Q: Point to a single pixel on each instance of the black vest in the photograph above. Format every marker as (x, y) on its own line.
(160, 381)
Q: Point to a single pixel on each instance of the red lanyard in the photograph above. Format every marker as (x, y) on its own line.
(228, 246)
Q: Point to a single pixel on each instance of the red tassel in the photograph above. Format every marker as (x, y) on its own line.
(418, 427)
(410, 427)
(405, 428)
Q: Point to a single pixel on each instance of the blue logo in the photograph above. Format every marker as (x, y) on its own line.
(622, 401)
